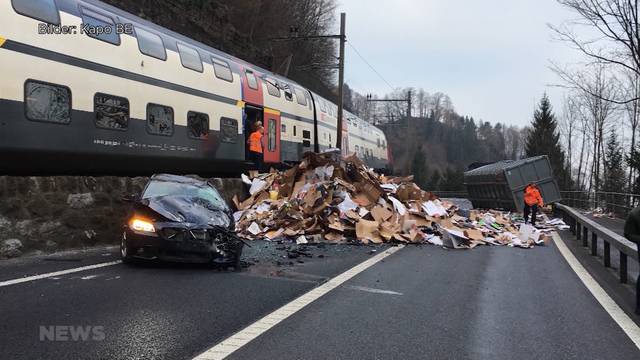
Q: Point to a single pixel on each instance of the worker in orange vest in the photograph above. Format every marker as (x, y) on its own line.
(255, 146)
(532, 199)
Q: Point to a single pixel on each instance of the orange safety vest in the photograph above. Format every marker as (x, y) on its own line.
(532, 196)
(255, 142)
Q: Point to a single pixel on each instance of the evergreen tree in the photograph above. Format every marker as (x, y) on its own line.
(633, 162)
(614, 175)
(544, 139)
(419, 169)
(453, 180)
(434, 181)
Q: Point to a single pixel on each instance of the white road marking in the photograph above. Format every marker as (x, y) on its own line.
(243, 337)
(57, 273)
(617, 314)
(373, 290)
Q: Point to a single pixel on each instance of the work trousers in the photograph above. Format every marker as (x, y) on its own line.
(533, 209)
(257, 159)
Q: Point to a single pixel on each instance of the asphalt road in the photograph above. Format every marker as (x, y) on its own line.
(421, 302)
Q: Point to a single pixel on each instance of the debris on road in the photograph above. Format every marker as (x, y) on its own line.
(326, 198)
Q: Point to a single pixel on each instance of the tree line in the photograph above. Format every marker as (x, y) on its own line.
(600, 113)
(436, 144)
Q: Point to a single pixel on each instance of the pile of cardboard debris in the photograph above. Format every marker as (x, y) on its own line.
(333, 199)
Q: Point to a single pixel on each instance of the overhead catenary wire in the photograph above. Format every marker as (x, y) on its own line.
(369, 65)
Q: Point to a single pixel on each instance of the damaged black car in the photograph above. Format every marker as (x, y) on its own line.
(183, 219)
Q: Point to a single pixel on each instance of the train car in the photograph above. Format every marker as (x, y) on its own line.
(90, 89)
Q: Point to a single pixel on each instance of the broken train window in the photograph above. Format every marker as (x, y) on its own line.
(47, 102)
(228, 130)
(112, 112)
(159, 120)
(198, 124)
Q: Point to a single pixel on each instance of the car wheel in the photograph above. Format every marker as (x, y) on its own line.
(126, 252)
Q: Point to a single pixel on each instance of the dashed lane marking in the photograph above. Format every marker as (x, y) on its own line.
(57, 273)
(243, 337)
(617, 314)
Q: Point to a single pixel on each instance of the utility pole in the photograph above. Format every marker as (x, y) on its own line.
(341, 81)
(343, 39)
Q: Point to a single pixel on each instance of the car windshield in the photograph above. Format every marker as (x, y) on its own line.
(206, 195)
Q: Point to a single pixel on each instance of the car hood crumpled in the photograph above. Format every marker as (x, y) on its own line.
(188, 210)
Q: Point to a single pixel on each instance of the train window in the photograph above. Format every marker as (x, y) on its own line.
(287, 92)
(94, 20)
(252, 82)
(43, 10)
(198, 124)
(330, 139)
(271, 138)
(228, 130)
(190, 58)
(112, 112)
(294, 131)
(378, 142)
(222, 70)
(283, 128)
(306, 134)
(47, 102)
(300, 97)
(272, 89)
(159, 120)
(150, 44)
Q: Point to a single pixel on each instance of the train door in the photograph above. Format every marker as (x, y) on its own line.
(252, 117)
(271, 136)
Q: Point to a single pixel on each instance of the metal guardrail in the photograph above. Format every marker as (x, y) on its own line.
(582, 226)
(614, 202)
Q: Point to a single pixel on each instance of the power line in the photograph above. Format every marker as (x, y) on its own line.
(370, 66)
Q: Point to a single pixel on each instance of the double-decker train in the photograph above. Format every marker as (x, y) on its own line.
(90, 89)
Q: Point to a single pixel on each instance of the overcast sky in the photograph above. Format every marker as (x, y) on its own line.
(490, 56)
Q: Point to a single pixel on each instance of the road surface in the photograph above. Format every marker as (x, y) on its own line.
(419, 302)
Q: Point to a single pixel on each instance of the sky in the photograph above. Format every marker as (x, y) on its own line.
(490, 56)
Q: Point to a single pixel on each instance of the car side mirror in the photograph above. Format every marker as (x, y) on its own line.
(129, 197)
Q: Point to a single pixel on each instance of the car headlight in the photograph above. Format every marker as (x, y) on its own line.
(142, 225)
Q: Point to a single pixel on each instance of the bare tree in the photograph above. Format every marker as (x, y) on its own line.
(596, 86)
(568, 124)
(618, 40)
(632, 90)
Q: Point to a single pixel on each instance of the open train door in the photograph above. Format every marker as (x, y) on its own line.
(271, 136)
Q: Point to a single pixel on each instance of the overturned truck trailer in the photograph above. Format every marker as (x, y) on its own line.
(501, 185)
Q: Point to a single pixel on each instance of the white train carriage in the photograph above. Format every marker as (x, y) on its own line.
(89, 88)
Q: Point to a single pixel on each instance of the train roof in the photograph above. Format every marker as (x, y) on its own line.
(72, 6)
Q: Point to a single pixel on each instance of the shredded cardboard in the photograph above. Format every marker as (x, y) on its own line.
(333, 199)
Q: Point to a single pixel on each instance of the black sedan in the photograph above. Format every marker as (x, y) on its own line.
(179, 218)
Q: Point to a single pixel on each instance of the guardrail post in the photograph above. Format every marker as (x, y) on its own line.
(585, 241)
(578, 230)
(607, 254)
(594, 244)
(623, 267)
